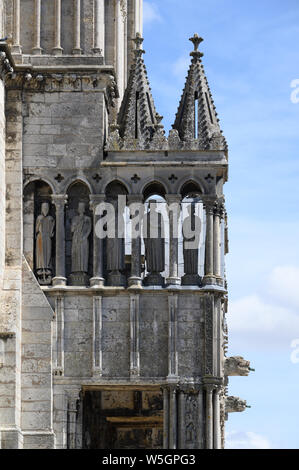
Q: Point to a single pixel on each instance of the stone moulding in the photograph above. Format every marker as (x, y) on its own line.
(159, 142)
(78, 81)
(6, 335)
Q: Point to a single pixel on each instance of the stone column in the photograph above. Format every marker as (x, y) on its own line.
(165, 417)
(16, 47)
(98, 274)
(200, 434)
(71, 417)
(217, 432)
(172, 338)
(99, 27)
(218, 213)
(173, 201)
(77, 27)
(173, 418)
(181, 420)
(57, 49)
(134, 336)
(58, 344)
(60, 200)
(209, 416)
(209, 243)
(97, 329)
(37, 50)
(138, 16)
(136, 214)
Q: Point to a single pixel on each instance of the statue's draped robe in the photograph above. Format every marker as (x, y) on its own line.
(81, 228)
(154, 243)
(44, 231)
(190, 254)
(115, 250)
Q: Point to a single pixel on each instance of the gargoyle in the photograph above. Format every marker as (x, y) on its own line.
(236, 365)
(235, 405)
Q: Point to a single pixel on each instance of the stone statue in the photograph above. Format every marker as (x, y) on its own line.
(154, 242)
(115, 253)
(191, 232)
(44, 232)
(80, 228)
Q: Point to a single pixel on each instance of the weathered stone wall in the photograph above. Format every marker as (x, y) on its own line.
(63, 129)
(37, 317)
(11, 294)
(153, 334)
(2, 180)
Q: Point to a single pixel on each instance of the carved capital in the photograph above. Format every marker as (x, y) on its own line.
(59, 200)
(219, 208)
(95, 199)
(209, 204)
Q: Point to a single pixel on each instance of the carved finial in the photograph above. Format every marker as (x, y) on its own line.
(138, 43)
(196, 41)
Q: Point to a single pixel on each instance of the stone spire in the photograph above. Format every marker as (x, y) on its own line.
(196, 119)
(138, 123)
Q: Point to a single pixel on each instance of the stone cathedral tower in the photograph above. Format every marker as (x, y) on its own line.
(107, 342)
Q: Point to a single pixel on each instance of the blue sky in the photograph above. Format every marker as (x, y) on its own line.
(251, 56)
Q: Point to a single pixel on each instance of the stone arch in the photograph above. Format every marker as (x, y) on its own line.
(190, 186)
(73, 180)
(33, 179)
(118, 180)
(154, 187)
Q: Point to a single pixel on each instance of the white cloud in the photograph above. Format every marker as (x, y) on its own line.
(246, 440)
(283, 285)
(181, 66)
(150, 13)
(271, 316)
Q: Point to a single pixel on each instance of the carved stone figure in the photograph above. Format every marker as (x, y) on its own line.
(116, 254)
(80, 228)
(154, 242)
(44, 232)
(235, 405)
(191, 232)
(236, 365)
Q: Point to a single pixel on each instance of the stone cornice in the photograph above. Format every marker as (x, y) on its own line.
(66, 81)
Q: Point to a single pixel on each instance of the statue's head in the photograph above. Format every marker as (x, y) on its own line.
(81, 208)
(45, 208)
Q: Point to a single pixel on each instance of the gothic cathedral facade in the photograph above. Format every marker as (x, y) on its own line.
(107, 342)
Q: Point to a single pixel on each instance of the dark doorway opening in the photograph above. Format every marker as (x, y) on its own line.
(123, 419)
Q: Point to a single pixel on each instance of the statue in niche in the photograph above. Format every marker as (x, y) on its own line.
(154, 242)
(80, 228)
(116, 253)
(44, 232)
(191, 233)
